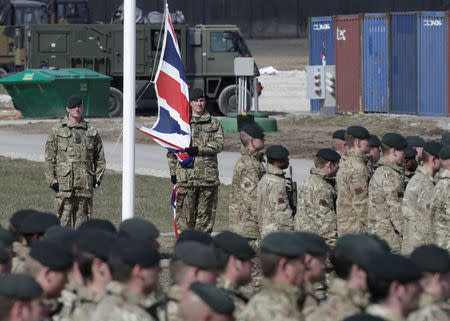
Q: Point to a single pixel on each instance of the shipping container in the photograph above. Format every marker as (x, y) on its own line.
(321, 46)
(432, 63)
(347, 55)
(375, 62)
(403, 80)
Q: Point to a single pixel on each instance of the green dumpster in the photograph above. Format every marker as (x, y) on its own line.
(44, 92)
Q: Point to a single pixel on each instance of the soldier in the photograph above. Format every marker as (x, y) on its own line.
(338, 143)
(238, 267)
(347, 294)
(386, 189)
(141, 229)
(98, 224)
(410, 164)
(352, 182)
(273, 208)
(198, 185)
(417, 143)
(317, 198)
(195, 235)
(393, 283)
(248, 171)
(74, 164)
(417, 201)
(374, 154)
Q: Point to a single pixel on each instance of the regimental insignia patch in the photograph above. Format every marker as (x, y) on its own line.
(323, 203)
(359, 190)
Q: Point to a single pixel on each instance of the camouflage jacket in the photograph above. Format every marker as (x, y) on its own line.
(74, 158)
(272, 201)
(18, 262)
(86, 303)
(382, 312)
(310, 300)
(52, 308)
(207, 135)
(67, 301)
(167, 310)
(342, 302)
(275, 302)
(371, 167)
(352, 181)
(441, 210)
(386, 190)
(432, 308)
(417, 211)
(236, 292)
(242, 206)
(316, 211)
(408, 176)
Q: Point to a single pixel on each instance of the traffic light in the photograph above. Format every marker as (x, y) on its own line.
(317, 83)
(330, 83)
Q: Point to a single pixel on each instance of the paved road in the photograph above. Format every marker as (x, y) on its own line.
(149, 159)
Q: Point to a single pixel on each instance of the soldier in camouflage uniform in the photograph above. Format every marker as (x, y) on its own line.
(410, 164)
(273, 208)
(416, 208)
(338, 143)
(386, 189)
(197, 193)
(74, 164)
(352, 182)
(374, 154)
(316, 211)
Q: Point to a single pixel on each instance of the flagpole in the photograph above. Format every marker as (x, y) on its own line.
(129, 95)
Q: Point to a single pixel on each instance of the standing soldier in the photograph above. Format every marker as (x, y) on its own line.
(317, 198)
(352, 182)
(338, 143)
(273, 208)
(198, 185)
(374, 154)
(74, 164)
(386, 189)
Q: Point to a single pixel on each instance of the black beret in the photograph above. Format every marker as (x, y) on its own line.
(74, 101)
(395, 141)
(314, 244)
(431, 258)
(18, 217)
(20, 287)
(98, 224)
(277, 152)
(63, 235)
(445, 153)
(138, 228)
(195, 254)
(432, 148)
(339, 134)
(6, 237)
(216, 298)
(283, 244)
(363, 317)
(51, 255)
(382, 242)
(415, 141)
(195, 235)
(38, 223)
(4, 254)
(135, 252)
(96, 242)
(235, 245)
(328, 154)
(393, 267)
(410, 153)
(253, 130)
(445, 139)
(196, 93)
(374, 141)
(358, 132)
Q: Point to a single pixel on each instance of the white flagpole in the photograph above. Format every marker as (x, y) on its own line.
(129, 96)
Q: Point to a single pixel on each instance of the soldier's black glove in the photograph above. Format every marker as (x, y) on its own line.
(55, 187)
(173, 179)
(97, 184)
(192, 151)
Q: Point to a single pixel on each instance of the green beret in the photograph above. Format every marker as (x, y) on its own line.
(328, 154)
(444, 153)
(277, 152)
(6, 237)
(196, 93)
(410, 153)
(395, 141)
(431, 258)
(339, 134)
(393, 267)
(51, 255)
(18, 217)
(415, 141)
(135, 252)
(195, 235)
(217, 299)
(195, 254)
(314, 244)
(363, 317)
(98, 224)
(445, 139)
(253, 130)
(4, 254)
(358, 132)
(235, 245)
(74, 101)
(38, 223)
(20, 287)
(433, 148)
(138, 228)
(62, 235)
(374, 141)
(284, 244)
(96, 242)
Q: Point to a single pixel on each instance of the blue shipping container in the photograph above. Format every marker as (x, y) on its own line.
(403, 81)
(321, 46)
(375, 62)
(432, 63)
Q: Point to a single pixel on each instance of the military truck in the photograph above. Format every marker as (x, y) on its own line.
(68, 11)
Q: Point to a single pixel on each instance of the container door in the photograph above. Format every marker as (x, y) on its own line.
(218, 53)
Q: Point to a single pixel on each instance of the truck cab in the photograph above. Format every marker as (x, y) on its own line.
(71, 12)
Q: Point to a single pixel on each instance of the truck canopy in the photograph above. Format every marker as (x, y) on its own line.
(29, 12)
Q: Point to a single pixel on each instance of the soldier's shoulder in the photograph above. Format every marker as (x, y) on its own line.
(91, 129)
(431, 312)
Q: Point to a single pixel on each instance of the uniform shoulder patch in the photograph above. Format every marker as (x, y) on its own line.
(358, 190)
(281, 200)
(428, 206)
(247, 184)
(323, 202)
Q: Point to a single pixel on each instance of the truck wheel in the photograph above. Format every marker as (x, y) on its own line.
(228, 100)
(115, 102)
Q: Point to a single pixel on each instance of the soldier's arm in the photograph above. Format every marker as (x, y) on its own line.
(441, 215)
(359, 189)
(172, 160)
(215, 144)
(326, 215)
(99, 159)
(51, 149)
(282, 210)
(393, 186)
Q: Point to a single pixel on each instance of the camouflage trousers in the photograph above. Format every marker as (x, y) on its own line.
(74, 210)
(257, 276)
(196, 208)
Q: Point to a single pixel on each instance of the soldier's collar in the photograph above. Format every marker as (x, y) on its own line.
(386, 162)
(68, 123)
(203, 118)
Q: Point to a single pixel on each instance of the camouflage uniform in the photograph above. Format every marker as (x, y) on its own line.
(53, 308)
(316, 211)
(432, 308)
(386, 190)
(275, 302)
(352, 194)
(236, 292)
(382, 312)
(242, 206)
(441, 210)
(416, 210)
(67, 301)
(310, 300)
(342, 302)
(86, 303)
(74, 158)
(168, 308)
(371, 167)
(18, 262)
(198, 186)
(272, 201)
(408, 176)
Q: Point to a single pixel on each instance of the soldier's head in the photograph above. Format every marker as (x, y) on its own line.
(444, 156)
(394, 147)
(283, 258)
(197, 101)
(135, 263)
(5, 259)
(417, 143)
(252, 136)
(393, 280)
(74, 108)
(411, 162)
(278, 156)
(338, 142)
(35, 224)
(139, 228)
(14, 223)
(375, 151)
(357, 138)
(430, 156)
(327, 161)
(205, 302)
